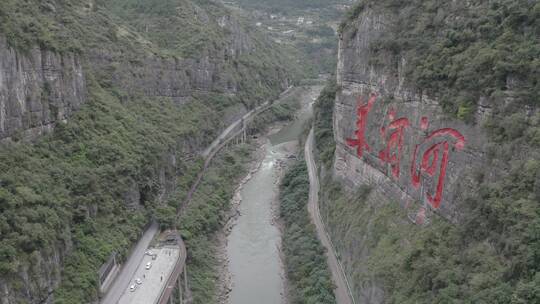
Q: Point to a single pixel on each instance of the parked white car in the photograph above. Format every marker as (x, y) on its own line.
(138, 281)
(148, 265)
(132, 288)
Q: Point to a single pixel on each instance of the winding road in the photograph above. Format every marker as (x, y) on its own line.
(126, 275)
(343, 290)
(214, 146)
(121, 283)
(228, 134)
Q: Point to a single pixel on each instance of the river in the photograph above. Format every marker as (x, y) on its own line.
(253, 245)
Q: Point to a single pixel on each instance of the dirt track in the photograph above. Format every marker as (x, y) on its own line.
(342, 291)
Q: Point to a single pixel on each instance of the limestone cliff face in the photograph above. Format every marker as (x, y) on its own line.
(37, 89)
(40, 87)
(211, 70)
(37, 279)
(408, 143)
(396, 139)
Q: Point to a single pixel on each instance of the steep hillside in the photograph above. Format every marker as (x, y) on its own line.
(307, 272)
(206, 49)
(131, 107)
(307, 26)
(288, 6)
(432, 195)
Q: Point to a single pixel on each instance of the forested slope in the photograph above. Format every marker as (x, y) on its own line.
(102, 121)
(471, 67)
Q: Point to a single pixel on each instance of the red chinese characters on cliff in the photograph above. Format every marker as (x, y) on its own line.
(362, 114)
(430, 158)
(393, 135)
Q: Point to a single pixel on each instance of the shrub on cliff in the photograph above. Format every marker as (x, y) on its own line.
(323, 123)
(460, 51)
(457, 51)
(305, 259)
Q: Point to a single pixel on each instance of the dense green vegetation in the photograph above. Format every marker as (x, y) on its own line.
(65, 26)
(307, 271)
(67, 193)
(177, 26)
(199, 28)
(164, 27)
(285, 6)
(461, 51)
(190, 28)
(70, 186)
(492, 257)
(207, 213)
(489, 48)
(29, 23)
(322, 54)
(316, 42)
(279, 112)
(323, 123)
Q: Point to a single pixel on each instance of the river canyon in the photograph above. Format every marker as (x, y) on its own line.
(254, 243)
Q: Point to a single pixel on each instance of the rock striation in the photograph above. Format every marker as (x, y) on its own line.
(399, 128)
(397, 139)
(38, 88)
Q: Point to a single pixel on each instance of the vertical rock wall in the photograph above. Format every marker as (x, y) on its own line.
(37, 89)
(397, 139)
(393, 136)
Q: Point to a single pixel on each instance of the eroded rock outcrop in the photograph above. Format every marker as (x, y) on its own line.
(395, 137)
(37, 89)
(40, 87)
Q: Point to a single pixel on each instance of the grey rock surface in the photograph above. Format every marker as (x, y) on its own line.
(38, 88)
(396, 98)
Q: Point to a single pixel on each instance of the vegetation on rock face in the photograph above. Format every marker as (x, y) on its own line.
(315, 38)
(351, 15)
(323, 123)
(461, 51)
(176, 26)
(305, 261)
(279, 112)
(70, 186)
(129, 32)
(490, 258)
(69, 192)
(59, 25)
(200, 28)
(456, 51)
(206, 214)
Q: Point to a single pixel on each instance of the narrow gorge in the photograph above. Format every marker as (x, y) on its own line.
(269, 151)
(130, 114)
